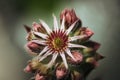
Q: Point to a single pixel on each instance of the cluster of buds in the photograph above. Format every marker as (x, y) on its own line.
(64, 53)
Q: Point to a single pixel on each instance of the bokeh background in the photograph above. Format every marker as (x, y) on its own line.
(102, 16)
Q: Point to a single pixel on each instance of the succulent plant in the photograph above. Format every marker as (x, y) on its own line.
(62, 53)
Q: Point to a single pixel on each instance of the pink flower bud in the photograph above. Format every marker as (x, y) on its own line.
(60, 73)
(33, 48)
(39, 76)
(28, 68)
(32, 66)
(70, 17)
(38, 27)
(87, 32)
(33, 45)
(78, 56)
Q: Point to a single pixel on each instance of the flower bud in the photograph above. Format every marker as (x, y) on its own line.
(61, 71)
(70, 18)
(87, 32)
(32, 66)
(39, 76)
(78, 56)
(33, 48)
(38, 27)
(28, 68)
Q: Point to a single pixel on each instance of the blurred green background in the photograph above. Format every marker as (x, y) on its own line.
(102, 16)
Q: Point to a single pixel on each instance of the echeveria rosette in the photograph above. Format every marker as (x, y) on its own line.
(65, 50)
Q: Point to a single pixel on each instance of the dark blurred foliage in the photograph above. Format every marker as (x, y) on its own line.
(11, 10)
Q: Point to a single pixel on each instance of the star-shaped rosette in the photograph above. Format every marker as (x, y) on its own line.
(56, 42)
(68, 44)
